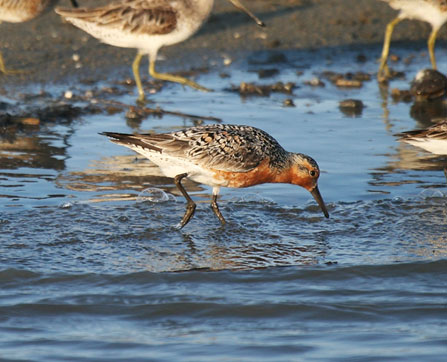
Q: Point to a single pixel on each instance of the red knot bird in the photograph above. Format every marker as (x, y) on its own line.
(147, 25)
(432, 139)
(223, 155)
(19, 11)
(430, 11)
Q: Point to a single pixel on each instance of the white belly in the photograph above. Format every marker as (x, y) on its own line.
(146, 43)
(173, 166)
(436, 146)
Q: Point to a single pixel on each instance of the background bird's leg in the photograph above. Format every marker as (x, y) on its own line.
(190, 206)
(173, 78)
(136, 74)
(384, 72)
(431, 47)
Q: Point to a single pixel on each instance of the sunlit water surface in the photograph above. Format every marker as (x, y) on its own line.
(93, 267)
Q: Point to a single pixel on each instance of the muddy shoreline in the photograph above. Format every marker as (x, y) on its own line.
(50, 50)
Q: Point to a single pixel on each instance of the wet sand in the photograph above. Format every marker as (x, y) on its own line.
(49, 49)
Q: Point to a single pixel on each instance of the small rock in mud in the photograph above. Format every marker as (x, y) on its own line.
(331, 76)
(394, 57)
(130, 82)
(288, 103)
(29, 121)
(351, 107)
(315, 82)
(361, 58)
(112, 90)
(110, 110)
(58, 111)
(88, 81)
(347, 80)
(251, 89)
(401, 95)
(283, 87)
(267, 73)
(348, 83)
(429, 84)
(275, 43)
(361, 76)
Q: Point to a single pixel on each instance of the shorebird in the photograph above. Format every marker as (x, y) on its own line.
(19, 11)
(430, 11)
(147, 25)
(432, 139)
(223, 155)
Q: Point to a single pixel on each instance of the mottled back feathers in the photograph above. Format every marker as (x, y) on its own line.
(220, 147)
(139, 17)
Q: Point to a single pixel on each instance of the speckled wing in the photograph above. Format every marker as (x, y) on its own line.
(221, 147)
(137, 17)
(437, 131)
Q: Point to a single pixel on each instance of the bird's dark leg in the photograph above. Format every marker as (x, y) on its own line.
(216, 209)
(74, 3)
(445, 173)
(190, 206)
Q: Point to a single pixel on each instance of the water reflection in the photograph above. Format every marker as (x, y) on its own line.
(110, 176)
(33, 150)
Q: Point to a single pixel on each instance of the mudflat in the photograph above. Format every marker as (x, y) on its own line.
(49, 49)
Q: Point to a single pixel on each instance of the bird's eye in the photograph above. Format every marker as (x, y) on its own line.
(313, 173)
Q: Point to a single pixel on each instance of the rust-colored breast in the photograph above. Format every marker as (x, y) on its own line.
(259, 175)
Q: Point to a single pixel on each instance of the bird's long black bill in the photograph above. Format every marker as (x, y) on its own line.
(317, 196)
(74, 3)
(241, 7)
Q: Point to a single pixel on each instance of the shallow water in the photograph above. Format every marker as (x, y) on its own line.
(93, 268)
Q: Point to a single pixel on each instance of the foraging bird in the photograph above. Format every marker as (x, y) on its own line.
(19, 11)
(431, 11)
(146, 25)
(223, 155)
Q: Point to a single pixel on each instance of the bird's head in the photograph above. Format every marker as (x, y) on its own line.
(304, 171)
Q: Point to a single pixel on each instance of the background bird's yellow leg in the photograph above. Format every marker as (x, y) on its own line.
(136, 74)
(173, 78)
(384, 72)
(431, 47)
